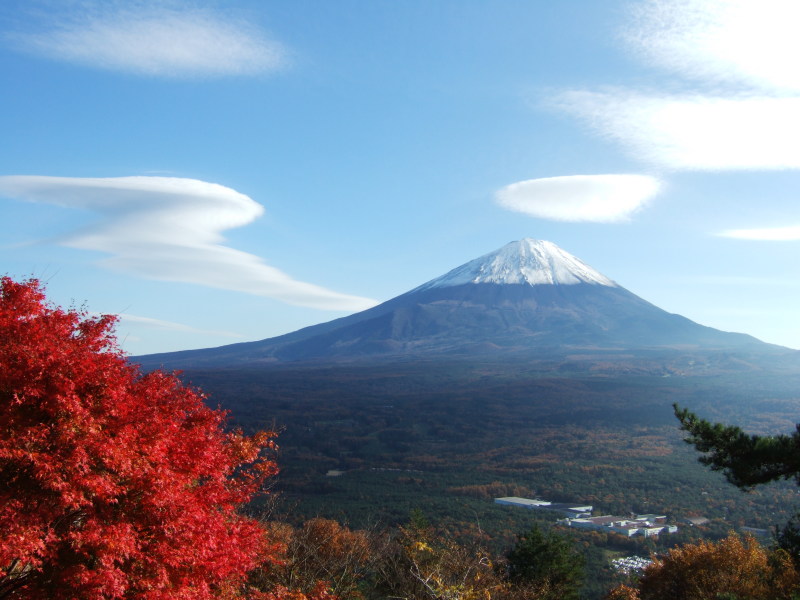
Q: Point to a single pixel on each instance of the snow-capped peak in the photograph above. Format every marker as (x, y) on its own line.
(528, 261)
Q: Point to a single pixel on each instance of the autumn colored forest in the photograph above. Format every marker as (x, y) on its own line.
(361, 483)
(449, 438)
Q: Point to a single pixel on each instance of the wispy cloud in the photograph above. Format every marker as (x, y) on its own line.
(768, 234)
(695, 132)
(599, 198)
(169, 229)
(740, 280)
(178, 40)
(741, 42)
(172, 326)
(737, 58)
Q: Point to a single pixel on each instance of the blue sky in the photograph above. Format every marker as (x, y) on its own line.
(216, 172)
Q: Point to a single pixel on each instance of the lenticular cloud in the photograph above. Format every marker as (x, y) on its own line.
(599, 198)
(170, 229)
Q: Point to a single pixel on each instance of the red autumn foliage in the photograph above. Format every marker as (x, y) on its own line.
(114, 483)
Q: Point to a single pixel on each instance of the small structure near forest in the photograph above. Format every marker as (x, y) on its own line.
(644, 525)
(569, 510)
(631, 564)
(580, 517)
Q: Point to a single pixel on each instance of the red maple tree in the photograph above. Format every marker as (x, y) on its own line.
(114, 483)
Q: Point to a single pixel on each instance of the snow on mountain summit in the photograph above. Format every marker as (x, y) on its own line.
(528, 261)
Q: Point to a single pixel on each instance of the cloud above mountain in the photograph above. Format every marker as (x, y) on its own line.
(170, 229)
(597, 198)
(734, 42)
(695, 132)
(733, 97)
(153, 39)
(767, 234)
(172, 326)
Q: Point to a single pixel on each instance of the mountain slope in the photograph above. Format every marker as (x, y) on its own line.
(529, 297)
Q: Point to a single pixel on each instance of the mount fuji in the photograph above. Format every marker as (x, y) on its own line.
(530, 298)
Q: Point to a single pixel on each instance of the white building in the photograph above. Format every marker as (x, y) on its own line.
(570, 510)
(524, 502)
(644, 525)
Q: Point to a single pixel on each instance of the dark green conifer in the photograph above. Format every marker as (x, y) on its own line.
(746, 460)
(547, 561)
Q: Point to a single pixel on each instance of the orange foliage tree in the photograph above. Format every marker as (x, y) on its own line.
(114, 483)
(319, 550)
(424, 565)
(731, 568)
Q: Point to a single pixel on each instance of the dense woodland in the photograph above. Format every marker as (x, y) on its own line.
(446, 439)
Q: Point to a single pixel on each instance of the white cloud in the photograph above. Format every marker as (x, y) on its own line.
(769, 234)
(169, 229)
(731, 41)
(172, 326)
(600, 198)
(741, 280)
(695, 132)
(149, 39)
(740, 57)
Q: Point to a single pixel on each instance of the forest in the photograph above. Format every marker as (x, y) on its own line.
(447, 438)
